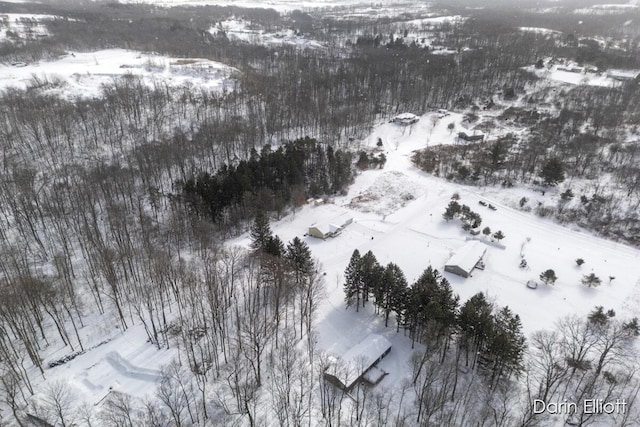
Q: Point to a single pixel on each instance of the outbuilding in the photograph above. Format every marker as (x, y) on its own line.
(465, 259)
(623, 75)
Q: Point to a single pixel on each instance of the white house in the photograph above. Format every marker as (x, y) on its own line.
(359, 362)
(330, 229)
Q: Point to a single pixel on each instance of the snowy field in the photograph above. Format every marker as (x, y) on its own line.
(239, 29)
(278, 5)
(82, 74)
(410, 231)
(574, 78)
(539, 30)
(397, 215)
(20, 27)
(608, 9)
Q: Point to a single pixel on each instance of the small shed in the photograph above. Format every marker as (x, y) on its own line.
(465, 259)
(359, 362)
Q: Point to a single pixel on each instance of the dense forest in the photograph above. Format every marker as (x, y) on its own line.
(271, 181)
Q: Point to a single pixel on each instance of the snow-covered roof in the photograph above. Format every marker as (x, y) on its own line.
(623, 74)
(333, 228)
(368, 350)
(467, 256)
(359, 358)
(336, 225)
(323, 228)
(406, 116)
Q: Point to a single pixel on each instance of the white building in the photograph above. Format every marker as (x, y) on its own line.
(405, 119)
(330, 228)
(465, 259)
(359, 362)
(623, 75)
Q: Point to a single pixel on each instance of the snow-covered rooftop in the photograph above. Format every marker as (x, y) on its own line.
(623, 74)
(358, 359)
(406, 116)
(368, 350)
(467, 256)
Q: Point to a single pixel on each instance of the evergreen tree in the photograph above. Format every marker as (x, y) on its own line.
(274, 247)
(432, 309)
(506, 346)
(473, 219)
(400, 299)
(363, 161)
(475, 322)
(353, 280)
(548, 277)
(553, 171)
(260, 232)
(498, 235)
(453, 210)
(632, 327)
(591, 280)
(599, 318)
(394, 291)
(372, 273)
(299, 257)
(566, 195)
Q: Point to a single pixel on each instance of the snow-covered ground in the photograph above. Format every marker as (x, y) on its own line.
(539, 30)
(437, 20)
(239, 29)
(398, 215)
(410, 231)
(81, 74)
(555, 73)
(279, 5)
(19, 26)
(608, 9)
(124, 363)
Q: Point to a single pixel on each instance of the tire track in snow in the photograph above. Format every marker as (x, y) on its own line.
(126, 369)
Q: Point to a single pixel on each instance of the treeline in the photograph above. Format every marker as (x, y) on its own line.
(270, 180)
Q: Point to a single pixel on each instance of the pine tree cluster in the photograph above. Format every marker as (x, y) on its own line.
(269, 179)
(490, 338)
(469, 218)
